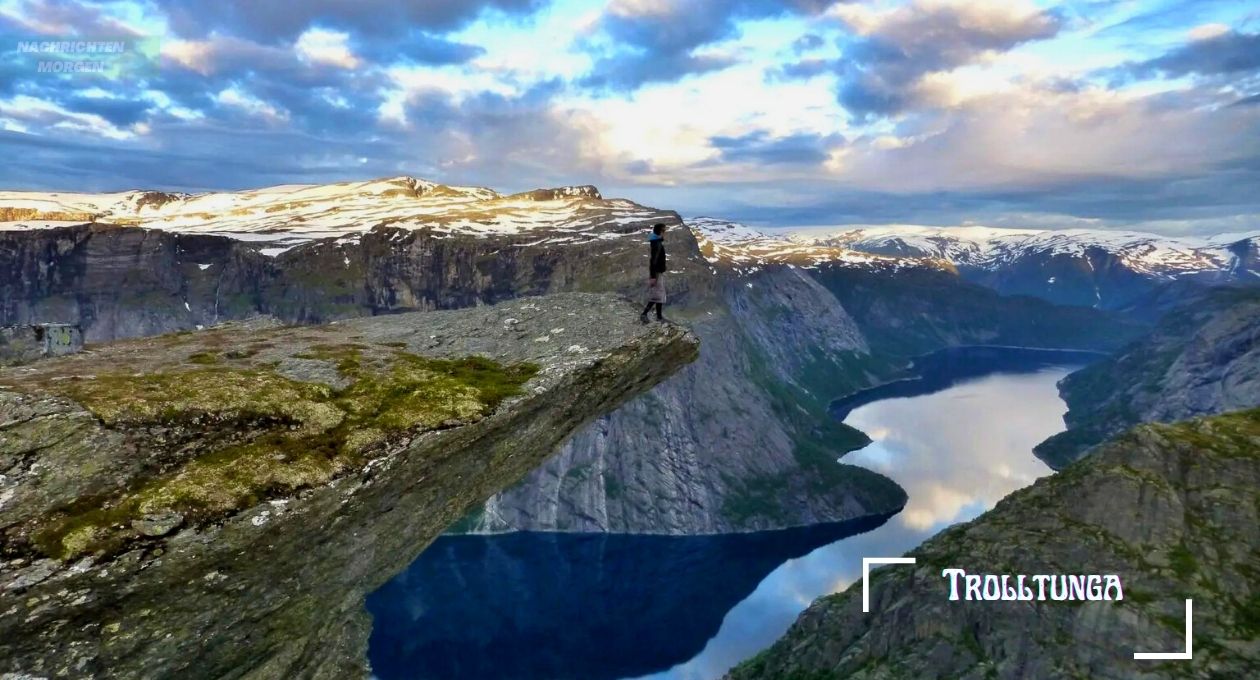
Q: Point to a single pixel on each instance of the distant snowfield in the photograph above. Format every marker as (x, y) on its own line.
(294, 214)
(982, 247)
(746, 249)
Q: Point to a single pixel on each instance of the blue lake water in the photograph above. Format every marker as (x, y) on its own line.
(596, 606)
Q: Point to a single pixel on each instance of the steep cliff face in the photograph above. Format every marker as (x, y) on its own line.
(731, 443)
(217, 504)
(119, 282)
(1201, 359)
(1171, 509)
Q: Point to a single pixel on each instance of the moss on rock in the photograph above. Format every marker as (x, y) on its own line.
(316, 433)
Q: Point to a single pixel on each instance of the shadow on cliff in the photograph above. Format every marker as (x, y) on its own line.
(590, 606)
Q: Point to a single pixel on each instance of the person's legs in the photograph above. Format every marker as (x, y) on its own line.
(658, 311)
(648, 308)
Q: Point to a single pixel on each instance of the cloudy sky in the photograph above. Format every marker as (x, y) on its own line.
(1109, 113)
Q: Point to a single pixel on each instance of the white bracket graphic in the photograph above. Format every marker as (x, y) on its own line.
(866, 572)
(1168, 656)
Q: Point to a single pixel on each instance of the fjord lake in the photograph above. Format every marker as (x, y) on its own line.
(538, 606)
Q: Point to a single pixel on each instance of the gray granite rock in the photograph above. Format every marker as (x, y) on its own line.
(160, 522)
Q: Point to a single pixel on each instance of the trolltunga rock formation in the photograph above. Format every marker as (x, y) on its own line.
(218, 503)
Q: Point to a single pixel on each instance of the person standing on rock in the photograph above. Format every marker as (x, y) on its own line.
(656, 274)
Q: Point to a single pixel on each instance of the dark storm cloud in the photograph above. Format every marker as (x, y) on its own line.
(1228, 53)
(283, 20)
(879, 69)
(758, 147)
(657, 46)
(120, 112)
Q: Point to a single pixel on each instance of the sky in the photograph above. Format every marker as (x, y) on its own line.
(1022, 113)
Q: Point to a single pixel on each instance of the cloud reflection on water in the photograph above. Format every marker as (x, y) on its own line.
(957, 452)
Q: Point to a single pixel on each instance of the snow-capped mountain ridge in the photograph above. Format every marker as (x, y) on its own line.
(1073, 266)
(745, 249)
(288, 215)
(1020, 261)
(991, 249)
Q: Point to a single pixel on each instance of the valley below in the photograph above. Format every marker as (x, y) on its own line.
(958, 443)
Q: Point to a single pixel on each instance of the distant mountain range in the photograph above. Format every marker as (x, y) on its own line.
(1095, 268)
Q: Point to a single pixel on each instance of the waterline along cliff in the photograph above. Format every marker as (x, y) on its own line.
(218, 503)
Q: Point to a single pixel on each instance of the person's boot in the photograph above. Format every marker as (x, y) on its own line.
(643, 318)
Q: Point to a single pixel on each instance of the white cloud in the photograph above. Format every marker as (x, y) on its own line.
(319, 46)
(24, 112)
(905, 23)
(243, 101)
(1208, 31)
(640, 8)
(1029, 134)
(670, 125)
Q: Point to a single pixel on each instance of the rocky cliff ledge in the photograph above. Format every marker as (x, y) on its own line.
(217, 504)
(1171, 509)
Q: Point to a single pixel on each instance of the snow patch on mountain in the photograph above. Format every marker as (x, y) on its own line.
(745, 250)
(289, 215)
(993, 248)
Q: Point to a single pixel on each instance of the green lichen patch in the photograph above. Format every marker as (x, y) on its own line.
(319, 433)
(182, 396)
(1232, 435)
(347, 357)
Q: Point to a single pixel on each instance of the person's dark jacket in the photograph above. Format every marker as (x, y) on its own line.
(657, 263)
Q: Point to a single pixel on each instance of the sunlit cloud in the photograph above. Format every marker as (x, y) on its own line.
(320, 46)
(778, 112)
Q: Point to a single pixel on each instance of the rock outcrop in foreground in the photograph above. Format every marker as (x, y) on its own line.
(1172, 510)
(217, 504)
